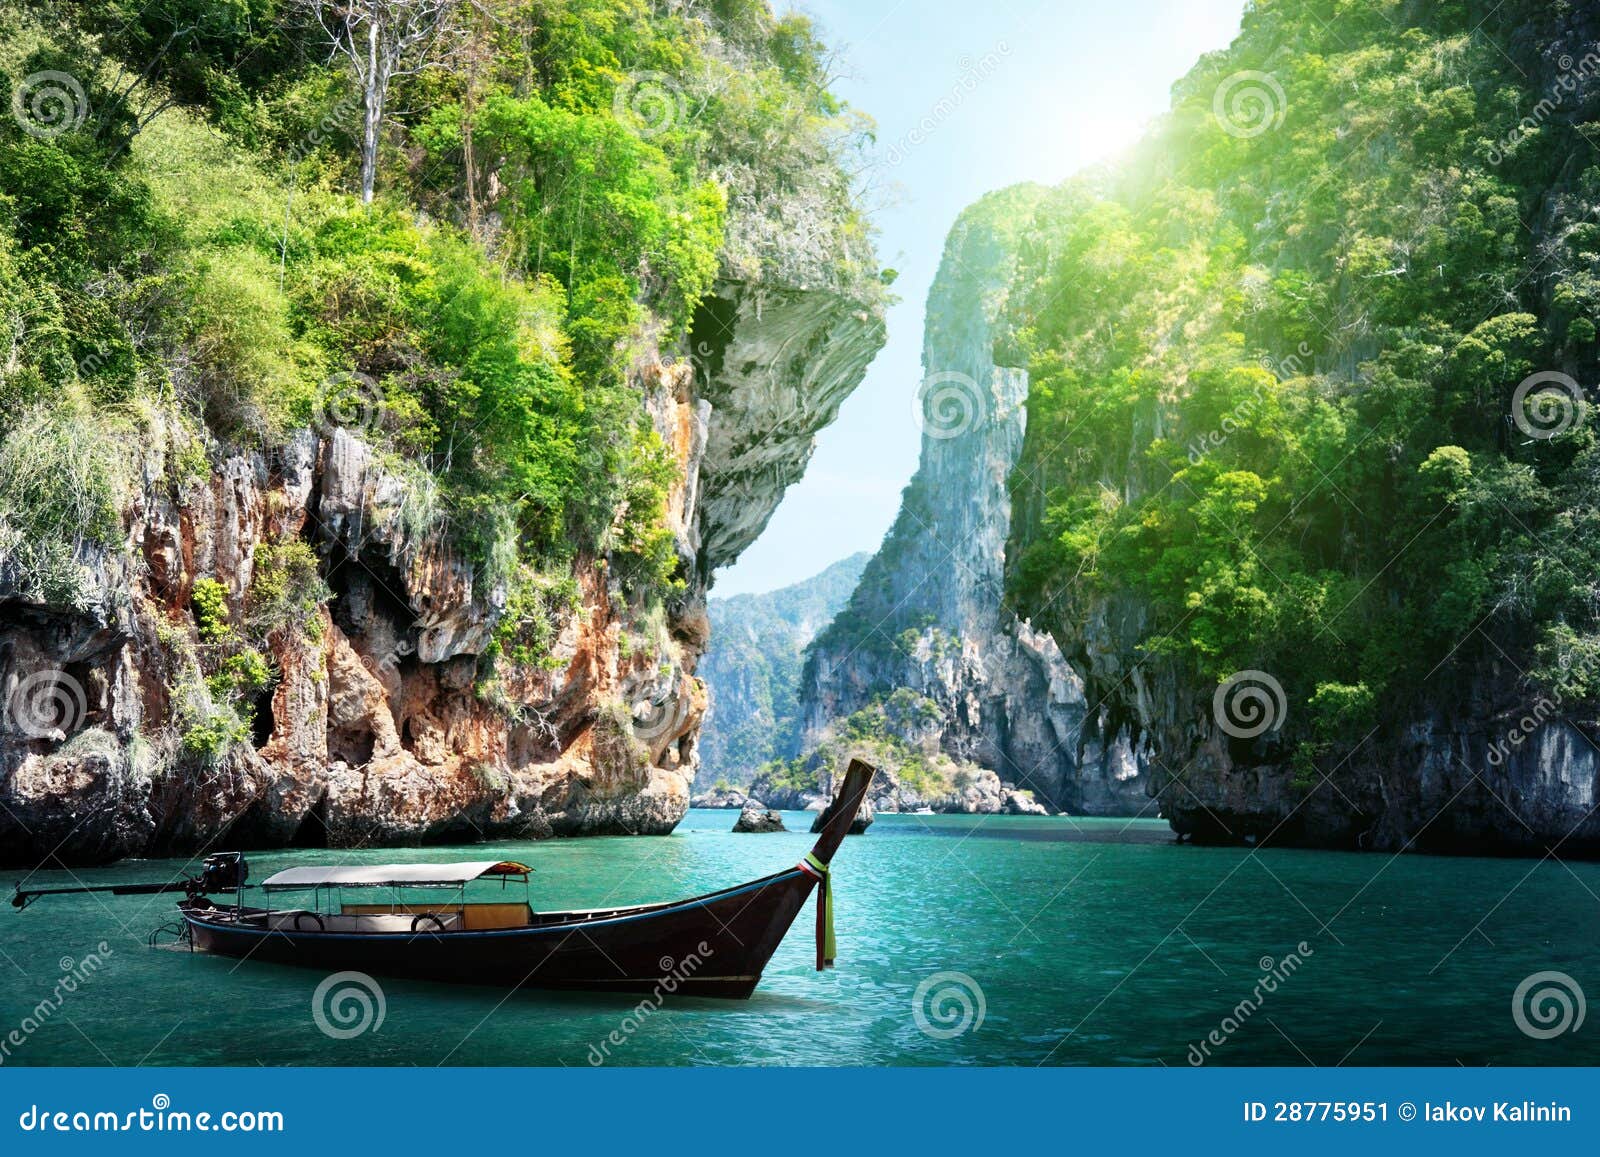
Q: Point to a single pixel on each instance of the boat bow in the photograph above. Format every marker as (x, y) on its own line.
(836, 821)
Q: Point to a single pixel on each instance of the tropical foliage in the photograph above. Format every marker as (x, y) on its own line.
(182, 249)
(1276, 357)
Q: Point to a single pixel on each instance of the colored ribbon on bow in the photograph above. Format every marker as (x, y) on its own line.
(826, 945)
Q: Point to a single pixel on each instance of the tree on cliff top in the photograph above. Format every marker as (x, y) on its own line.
(384, 40)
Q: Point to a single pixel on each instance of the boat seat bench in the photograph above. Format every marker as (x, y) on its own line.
(473, 917)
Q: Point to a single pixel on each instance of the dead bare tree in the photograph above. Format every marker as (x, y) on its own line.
(383, 40)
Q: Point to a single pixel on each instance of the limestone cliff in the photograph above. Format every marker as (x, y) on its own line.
(1310, 460)
(377, 726)
(928, 612)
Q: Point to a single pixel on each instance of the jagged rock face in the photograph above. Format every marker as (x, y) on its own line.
(928, 611)
(378, 727)
(775, 364)
(1484, 770)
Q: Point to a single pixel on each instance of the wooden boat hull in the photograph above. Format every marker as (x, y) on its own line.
(714, 945)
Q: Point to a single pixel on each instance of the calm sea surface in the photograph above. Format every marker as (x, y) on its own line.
(1078, 941)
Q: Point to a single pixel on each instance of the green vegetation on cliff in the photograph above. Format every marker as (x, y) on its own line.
(1284, 413)
(897, 733)
(188, 254)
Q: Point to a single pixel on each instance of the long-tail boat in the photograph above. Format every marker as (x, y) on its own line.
(717, 944)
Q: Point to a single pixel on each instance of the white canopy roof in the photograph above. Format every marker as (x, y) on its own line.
(392, 875)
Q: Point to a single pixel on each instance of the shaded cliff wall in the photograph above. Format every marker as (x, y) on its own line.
(928, 611)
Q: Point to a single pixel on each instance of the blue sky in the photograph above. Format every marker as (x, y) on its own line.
(1062, 85)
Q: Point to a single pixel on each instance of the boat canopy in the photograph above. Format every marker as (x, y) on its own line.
(393, 875)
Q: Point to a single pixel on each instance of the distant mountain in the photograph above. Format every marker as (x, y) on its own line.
(752, 669)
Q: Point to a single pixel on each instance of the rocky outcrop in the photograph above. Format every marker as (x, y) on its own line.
(755, 818)
(859, 823)
(979, 792)
(928, 611)
(722, 798)
(380, 723)
(752, 670)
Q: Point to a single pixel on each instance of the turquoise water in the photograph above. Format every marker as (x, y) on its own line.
(1087, 942)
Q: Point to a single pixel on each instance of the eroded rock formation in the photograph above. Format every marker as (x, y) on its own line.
(378, 725)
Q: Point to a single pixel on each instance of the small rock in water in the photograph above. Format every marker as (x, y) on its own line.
(858, 826)
(755, 818)
(1021, 803)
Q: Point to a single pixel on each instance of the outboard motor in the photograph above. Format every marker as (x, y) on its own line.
(221, 872)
